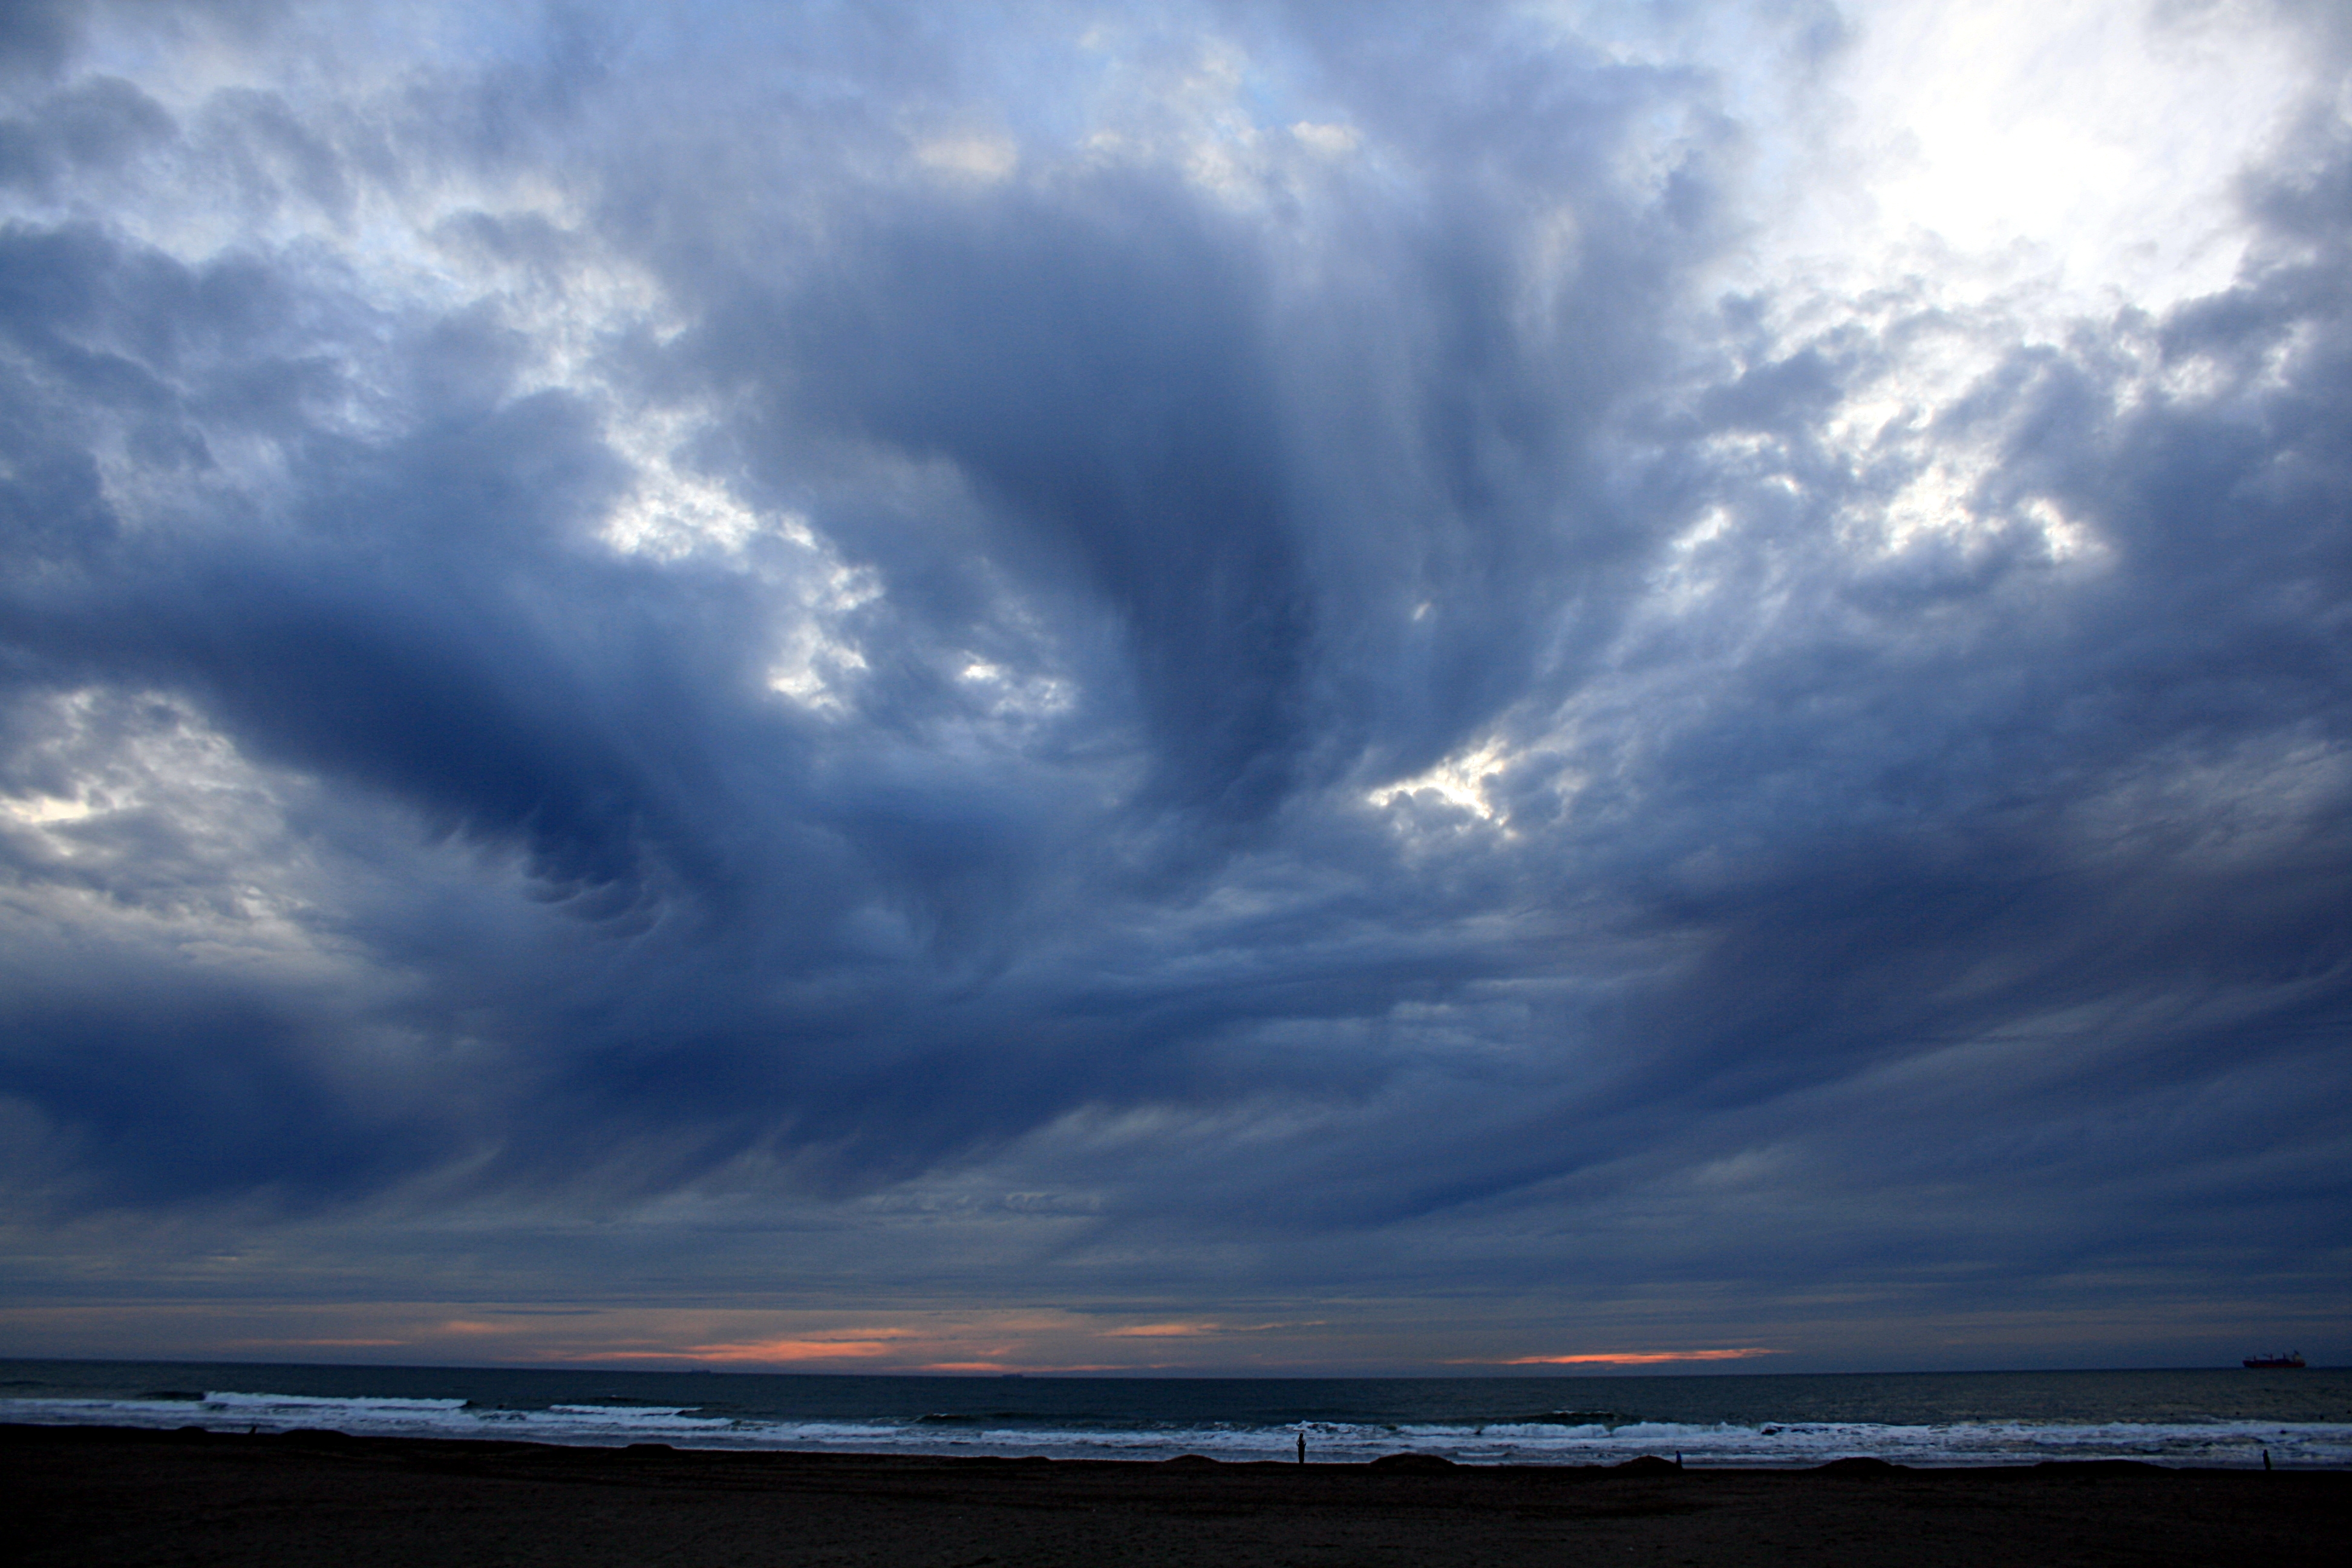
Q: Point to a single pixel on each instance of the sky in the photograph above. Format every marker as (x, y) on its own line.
(1177, 688)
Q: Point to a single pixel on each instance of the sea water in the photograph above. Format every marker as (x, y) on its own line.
(2199, 1417)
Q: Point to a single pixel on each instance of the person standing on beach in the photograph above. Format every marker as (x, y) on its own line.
(1302, 1446)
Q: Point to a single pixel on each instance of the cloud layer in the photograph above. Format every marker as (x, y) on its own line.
(1522, 684)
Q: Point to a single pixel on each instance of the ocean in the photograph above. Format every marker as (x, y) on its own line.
(2199, 1417)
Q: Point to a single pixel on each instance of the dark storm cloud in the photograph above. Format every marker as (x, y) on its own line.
(1155, 529)
(360, 642)
(178, 1095)
(93, 125)
(1977, 791)
(1970, 794)
(1097, 374)
(39, 33)
(426, 621)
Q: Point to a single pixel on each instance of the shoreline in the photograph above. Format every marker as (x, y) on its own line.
(108, 1496)
(1662, 1456)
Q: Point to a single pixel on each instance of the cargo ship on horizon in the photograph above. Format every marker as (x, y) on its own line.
(2293, 1359)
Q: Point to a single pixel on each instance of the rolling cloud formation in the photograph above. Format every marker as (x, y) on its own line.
(1165, 657)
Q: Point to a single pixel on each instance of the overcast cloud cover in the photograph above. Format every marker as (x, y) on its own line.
(1190, 686)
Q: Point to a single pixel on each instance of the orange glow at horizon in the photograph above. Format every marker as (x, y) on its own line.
(1635, 1358)
(762, 1351)
(329, 1344)
(1193, 1331)
(950, 1343)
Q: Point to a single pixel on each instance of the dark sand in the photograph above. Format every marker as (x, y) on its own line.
(91, 1496)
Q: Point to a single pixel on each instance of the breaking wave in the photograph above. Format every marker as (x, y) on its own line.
(1765, 1444)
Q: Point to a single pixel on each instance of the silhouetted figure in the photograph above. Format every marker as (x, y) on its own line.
(2266, 1456)
(1302, 1449)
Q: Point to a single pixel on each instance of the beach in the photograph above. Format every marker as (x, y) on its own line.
(98, 1496)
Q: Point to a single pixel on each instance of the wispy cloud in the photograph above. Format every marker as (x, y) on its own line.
(764, 1352)
(1197, 1330)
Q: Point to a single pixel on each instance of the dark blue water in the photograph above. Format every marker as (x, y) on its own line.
(2186, 1418)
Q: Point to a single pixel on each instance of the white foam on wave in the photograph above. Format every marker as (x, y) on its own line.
(1773, 1443)
(1769, 1445)
(632, 1426)
(326, 1401)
